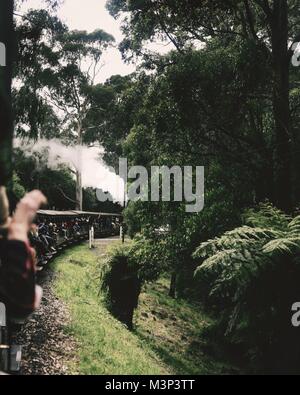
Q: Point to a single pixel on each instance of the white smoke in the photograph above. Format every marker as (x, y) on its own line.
(87, 160)
(58, 153)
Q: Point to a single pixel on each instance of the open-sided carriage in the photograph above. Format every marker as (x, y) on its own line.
(105, 224)
(70, 227)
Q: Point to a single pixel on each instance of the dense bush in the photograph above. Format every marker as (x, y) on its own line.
(250, 277)
(170, 235)
(121, 283)
(126, 269)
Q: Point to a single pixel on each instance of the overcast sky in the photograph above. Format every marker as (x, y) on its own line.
(90, 15)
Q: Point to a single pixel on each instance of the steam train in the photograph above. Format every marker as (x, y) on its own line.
(104, 224)
(71, 227)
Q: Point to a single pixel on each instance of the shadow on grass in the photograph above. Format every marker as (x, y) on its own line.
(176, 363)
(175, 331)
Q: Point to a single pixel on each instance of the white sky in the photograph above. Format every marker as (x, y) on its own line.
(90, 15)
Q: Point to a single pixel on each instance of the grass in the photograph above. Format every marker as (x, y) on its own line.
(174, 329)
(168, 338)
(105, 346)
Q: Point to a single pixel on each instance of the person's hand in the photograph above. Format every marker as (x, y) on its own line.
(25, 213)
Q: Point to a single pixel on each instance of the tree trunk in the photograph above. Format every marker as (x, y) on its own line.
(6, 121)
(264, 188)
(172, 292)
(281, 105)
(79, 196)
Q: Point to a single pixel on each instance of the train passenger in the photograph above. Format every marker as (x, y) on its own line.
(64, 229)
(40, 247)
(76, 229)
(18, 290)
(53, 231)
(44, 234)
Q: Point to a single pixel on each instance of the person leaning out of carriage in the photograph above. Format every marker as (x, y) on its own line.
(18, 290)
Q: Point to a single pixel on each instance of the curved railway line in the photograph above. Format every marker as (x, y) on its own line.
(103, 225)
(71, 228)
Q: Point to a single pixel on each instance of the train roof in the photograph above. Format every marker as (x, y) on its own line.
(73, 213)
(53, 213)
(98, 214)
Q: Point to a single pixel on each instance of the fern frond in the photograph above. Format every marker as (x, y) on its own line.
(232, 276)
(247, 232)
(243, 237)
(221, 258)
(282, 246)
(246, 270)
(294, 226)
(267, 216)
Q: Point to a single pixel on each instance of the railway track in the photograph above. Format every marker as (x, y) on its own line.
(104, 225)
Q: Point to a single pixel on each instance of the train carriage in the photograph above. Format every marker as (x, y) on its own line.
(66, 228)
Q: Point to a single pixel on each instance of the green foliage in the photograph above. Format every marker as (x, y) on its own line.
(127, 268)
(175, 329)
(267, 216)
(132, 219)
(249, 275)
(171, 236)
(167, 336)
(103, 345)
(91, 202)
(122, 285)
(36, 38)
(151, 256)
(15, 191)
(142, 256)
(191, 112)
(218, 100)
(56, 69)
(34, 172)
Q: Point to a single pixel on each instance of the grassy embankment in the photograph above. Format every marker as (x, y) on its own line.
(167, 339)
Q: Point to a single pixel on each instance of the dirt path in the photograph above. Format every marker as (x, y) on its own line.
(46, 348)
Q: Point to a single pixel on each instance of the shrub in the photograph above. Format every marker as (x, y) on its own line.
(152, 256)
(126, 269)
(121, 283)
(251, 276)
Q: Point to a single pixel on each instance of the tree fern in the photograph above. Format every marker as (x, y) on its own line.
(267, 216)
(294, 226)
(239, 238)
(250, 272)
(287, 245)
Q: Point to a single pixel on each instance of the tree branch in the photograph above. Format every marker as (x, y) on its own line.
(64, 195)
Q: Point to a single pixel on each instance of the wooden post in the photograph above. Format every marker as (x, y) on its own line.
(91, 237)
